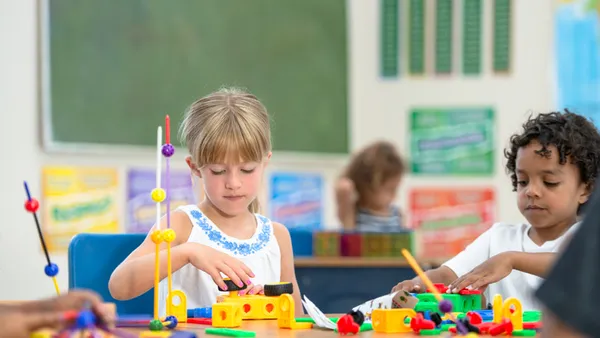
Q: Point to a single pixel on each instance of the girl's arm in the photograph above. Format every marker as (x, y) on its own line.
(288, 273)
(135, 275)
(345, 195)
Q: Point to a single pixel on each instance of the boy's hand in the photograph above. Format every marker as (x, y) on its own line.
(408, 286)
(488, 272)
(16, 323)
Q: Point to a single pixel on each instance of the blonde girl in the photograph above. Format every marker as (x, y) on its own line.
(227, 134)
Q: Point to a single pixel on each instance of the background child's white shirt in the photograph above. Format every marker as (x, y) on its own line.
(502, 237)
(260, 253)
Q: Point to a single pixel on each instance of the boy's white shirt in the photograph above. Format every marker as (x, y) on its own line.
(503, 237)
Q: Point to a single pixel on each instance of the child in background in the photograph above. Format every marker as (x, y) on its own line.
(368, 187)
(23, 319)
(553, 164)
(228, 137)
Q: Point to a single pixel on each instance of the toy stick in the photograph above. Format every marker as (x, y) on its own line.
(168, 150)
(158, 195)
(32, 205)
(445, 306)
(157, 199)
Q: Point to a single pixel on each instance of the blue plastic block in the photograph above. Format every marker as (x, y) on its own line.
(203, 312)
(486, 315)
(427, 315)
(302, 242)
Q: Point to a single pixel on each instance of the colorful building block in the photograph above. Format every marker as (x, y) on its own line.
(351, 244)
(326, 244)
(391, 320)
(227, 314)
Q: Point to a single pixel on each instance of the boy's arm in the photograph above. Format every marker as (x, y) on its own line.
(538, 263)
(346, 200)
(288, 272)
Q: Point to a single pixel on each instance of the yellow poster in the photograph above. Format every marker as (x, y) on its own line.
(76, 200)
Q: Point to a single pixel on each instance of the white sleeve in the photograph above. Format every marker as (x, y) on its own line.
(474, 254)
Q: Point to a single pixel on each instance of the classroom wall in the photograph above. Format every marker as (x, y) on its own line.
(378, 109)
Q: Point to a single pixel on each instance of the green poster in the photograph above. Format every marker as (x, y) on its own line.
(453, 141)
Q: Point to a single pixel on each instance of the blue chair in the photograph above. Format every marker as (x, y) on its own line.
(93, 258)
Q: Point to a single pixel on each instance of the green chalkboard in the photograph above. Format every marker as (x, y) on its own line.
(113, 69)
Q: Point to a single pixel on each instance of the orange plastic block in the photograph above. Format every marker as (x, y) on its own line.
(391, 320)
(226, 315)
(287, 314)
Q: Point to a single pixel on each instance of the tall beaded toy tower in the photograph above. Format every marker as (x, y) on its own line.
(175, 313)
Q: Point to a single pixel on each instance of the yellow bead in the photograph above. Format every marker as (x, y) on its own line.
(168, 235)
(472, 335)
(158, 195)
(156, 236)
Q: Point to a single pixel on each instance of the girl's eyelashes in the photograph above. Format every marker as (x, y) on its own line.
(217, 172)
(248, 171)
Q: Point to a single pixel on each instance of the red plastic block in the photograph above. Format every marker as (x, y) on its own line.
(532, 326)
(202, 321)
(485, 327)
(351, 245)
(441, 288)
(474, 318)
(469, 292)
(504, 327)
(418, 323)
(346, 325)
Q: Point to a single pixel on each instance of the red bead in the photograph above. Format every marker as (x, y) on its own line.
(32, 205)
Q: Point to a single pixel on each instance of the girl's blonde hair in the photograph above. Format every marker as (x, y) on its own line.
(227, 126)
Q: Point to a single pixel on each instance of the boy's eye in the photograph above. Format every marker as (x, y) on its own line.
(551, 184)
(522, 183)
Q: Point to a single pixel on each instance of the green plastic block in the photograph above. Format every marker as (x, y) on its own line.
(230, 332)
(524, 333)
(456, 300)
(446, 327)
(427, 306)
(471, 302)
(305, 320)
(532, 316)
(426, 297)
(434, 332)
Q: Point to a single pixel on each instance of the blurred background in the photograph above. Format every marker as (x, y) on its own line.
(84, 85)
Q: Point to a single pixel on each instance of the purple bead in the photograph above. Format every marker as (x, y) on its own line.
(51, 270)
(445, 306)
(168, 150)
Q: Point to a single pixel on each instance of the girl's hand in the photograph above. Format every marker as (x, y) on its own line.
(215, 263)
(252, 290)
(408, 286)
(488, 272)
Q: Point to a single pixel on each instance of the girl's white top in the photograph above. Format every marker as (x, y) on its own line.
(260, 253)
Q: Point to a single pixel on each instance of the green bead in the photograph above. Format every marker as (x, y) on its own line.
(434, 332)
(155, 325)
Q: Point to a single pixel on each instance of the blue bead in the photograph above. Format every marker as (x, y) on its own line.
(51, 270)
(173, 322)
(86, 319)
(168, 150)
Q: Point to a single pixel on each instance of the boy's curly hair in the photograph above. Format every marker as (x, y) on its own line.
(575, 137)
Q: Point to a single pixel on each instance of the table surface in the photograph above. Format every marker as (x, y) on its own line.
(269, 329)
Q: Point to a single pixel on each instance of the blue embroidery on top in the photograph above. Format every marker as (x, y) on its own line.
(243, 249)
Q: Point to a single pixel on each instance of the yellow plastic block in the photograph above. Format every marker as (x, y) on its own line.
(178, 310)
(391, 320)
(287, 314)
(516, 318)
(254, 306)
(226, 315)
(42, 334)
(497, 307)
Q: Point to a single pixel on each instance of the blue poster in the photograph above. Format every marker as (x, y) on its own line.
(297, 200)
(577, 52)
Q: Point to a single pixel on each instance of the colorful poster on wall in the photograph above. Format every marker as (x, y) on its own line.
(296, 199)
(141, 209)
(577, 53)
(452, 141)
(448, 219)
(76, 200)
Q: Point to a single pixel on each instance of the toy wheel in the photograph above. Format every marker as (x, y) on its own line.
(277, 289)
(231, 286)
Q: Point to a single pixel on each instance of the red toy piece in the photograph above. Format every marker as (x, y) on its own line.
(441, 288)
(484, 328)
(469, 292)
(474, 318)
(202, 321)
(346, 325)
(532, 326)
(504, 327)
(418, 323)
